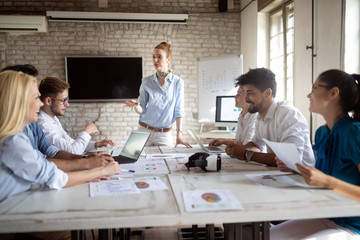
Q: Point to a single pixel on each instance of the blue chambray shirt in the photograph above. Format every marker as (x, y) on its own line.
(161, 105)
(21, 166)
(39, 141)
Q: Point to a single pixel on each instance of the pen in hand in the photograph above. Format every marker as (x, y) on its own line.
(127, 170)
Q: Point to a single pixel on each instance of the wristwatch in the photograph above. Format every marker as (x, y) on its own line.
(248, 155)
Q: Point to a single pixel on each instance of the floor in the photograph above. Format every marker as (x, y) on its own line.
(155, 233)
(158, 233)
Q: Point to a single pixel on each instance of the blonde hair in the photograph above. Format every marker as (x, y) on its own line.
(14, 101)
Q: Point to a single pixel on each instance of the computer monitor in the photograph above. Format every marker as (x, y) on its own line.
(226, 114)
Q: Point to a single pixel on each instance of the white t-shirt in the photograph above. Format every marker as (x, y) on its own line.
(285, 123)
(54, 131)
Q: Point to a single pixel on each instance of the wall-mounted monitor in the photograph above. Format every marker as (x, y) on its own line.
(95, 78)
(226, 114)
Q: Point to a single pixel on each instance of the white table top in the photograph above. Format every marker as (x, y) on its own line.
(72, 208)
(261, 203)
(228, 165)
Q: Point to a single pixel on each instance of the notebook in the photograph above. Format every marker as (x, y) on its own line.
(210, 149)
(133, 147)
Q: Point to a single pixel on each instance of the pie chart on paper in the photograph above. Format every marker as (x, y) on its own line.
(142, 185)
(211, 197)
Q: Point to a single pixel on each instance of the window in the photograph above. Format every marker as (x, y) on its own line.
(352, 36)
(282, 50)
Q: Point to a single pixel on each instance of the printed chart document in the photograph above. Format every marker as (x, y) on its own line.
(147, 167)
(165, 156)
(276, 180)
(181, 149)
(210, 200)
(286, 152)
(115, 151)
(121, 186)
(148, 183)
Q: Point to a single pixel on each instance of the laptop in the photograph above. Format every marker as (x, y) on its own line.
(133, 147)
(210, 149)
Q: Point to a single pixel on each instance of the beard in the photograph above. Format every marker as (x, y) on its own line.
(57, 112)
(253, 109)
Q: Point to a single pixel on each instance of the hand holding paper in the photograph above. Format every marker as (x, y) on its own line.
(286, 152)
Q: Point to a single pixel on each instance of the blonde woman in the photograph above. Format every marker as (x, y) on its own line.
(21, 166)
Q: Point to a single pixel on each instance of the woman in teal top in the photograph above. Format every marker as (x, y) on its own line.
(338, 155)
(335, 94)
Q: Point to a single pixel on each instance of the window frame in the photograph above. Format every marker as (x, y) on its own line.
(285, 14)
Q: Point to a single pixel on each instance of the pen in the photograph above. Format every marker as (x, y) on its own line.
(126, 170)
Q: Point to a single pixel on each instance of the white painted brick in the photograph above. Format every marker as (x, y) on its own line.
(207, 34)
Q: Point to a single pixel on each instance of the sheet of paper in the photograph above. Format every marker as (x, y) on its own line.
(177, 164)
(165, 156)
(150, 183)
(121, 186)
(147, 167)
(116, 151)
(275, 180)
(102, 149)
(210, 200)
(180, 149)
(122, 175)
(286, 152)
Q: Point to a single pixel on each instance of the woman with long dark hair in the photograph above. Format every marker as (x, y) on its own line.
(335, 96)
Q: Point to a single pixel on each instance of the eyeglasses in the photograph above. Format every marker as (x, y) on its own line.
(63, 101)
(314, 87)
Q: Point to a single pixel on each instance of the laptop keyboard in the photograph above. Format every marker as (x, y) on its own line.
(214, 148)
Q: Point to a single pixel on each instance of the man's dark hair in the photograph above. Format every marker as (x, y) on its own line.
(25, 68)
(261, 78)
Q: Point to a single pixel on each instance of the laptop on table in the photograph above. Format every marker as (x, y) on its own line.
(209, 149)
(133, 147)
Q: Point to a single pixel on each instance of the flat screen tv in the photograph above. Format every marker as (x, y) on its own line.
(94, 78)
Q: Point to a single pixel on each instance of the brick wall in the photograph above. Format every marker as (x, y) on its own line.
(148, 6)
(208, 33)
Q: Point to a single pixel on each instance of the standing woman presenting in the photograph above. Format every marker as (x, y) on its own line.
(161, 101)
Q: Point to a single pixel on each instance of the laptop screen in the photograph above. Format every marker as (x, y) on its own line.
(135, 144)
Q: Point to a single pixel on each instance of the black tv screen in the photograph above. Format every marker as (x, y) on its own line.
(103, 78)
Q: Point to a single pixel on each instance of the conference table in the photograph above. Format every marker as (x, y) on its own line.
(73, 209)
